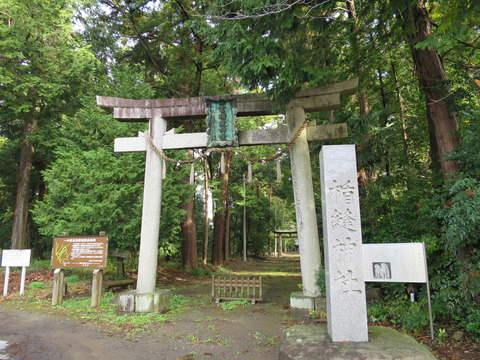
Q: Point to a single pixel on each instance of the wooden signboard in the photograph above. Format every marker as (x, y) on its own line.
(84, 252)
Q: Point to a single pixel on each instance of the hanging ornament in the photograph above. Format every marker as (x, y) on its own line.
(192, 174)
(279, 170)
(222, 164)
(164, 169)
(249, 173)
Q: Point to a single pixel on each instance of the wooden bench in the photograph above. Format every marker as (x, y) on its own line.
(237, 288)
(118, 284)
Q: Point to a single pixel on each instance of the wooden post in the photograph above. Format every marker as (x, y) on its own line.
(97, 282)
(244, 221)
(58, 287)
(120, 266)
(280, 246)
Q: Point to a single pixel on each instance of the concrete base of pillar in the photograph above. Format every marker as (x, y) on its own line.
(301, 305)
(130, 301)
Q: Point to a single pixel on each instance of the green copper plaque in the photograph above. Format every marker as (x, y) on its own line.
(221, 122)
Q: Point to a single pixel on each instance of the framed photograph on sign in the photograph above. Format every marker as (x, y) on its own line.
(382, 270)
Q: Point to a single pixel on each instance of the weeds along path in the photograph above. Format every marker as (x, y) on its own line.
(193, 328)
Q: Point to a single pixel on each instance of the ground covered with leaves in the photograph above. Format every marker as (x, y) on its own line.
(196, 326)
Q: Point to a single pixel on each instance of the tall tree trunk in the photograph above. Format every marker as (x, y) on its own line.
(218, 237)
(402, 110)
(20, 216)
(219, 222)
(189, 234)
(207, 210)
(442, 123)
(227, 230)
(188, 225)
(384, 105)
(363, 101)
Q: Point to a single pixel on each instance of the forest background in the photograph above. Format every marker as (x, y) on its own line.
(415, 121)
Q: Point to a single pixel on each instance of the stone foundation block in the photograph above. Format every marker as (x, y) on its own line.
(301, 305)
(131, 301)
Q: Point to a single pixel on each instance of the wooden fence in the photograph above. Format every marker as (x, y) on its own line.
(237, 288)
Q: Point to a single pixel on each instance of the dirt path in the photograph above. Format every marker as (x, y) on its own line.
(202, 331)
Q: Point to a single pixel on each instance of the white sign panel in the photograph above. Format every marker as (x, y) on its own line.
(18, 258)
(403, 262)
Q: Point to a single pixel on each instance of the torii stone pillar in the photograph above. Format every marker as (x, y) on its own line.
(308, 241)
(152, 198)
(145, 298)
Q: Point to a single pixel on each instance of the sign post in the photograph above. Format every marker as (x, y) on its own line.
(397, 262)
(15, 258)
(79, 252)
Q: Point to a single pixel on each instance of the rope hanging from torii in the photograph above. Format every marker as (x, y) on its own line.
(226, 149)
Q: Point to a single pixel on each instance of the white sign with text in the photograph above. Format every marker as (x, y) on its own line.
(17, 258)
(402, 262)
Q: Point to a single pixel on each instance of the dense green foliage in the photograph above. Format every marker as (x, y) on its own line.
(50, 74)
(92, 189)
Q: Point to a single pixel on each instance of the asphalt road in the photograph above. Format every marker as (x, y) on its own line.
(33, 336)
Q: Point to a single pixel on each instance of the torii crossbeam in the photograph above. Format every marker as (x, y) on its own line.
(157, 112)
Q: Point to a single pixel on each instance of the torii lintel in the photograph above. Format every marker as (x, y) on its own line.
(252, 104)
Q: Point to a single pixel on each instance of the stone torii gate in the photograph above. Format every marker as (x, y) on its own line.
(158, 112)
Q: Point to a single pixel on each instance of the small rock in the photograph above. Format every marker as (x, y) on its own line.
(458, 335)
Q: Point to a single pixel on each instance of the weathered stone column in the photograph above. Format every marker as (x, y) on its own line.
(306, 216)
(145, 298)
(152, 198)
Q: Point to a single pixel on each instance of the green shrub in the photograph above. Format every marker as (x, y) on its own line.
(410, 316)
(36, 285)
(378, 313)
(199, 272)
(36, 264)
(320, 276)
(72, 278)
(473, 324)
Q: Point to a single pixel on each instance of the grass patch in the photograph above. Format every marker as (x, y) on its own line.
(105, 315)
(36, 285)
(74, 278)
(179, 303)
(232, 305)
(205, 318)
